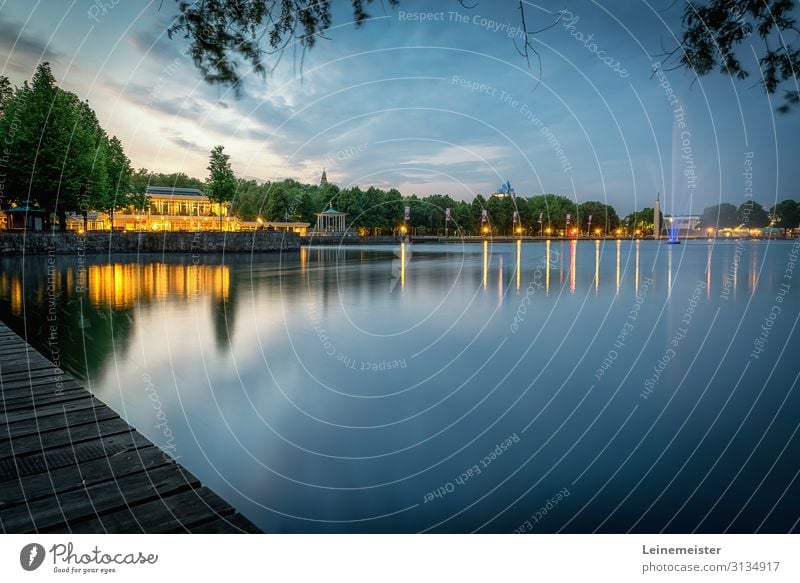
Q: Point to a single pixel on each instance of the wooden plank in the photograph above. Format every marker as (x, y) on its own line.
(23, 358)
(36, 401)
(67, 419)
(81, 474)
(56, 513)
(51, 371)
(50, 439)
(16, 350)
(43, 462)
(24, 362)
(171, 514)
(38, 389)
(34, 381)
(25, 368)
(87, 402)
(234, 524)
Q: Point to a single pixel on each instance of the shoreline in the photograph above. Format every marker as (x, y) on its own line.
(186, 242)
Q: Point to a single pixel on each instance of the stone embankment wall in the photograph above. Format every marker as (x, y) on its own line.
(43, 243)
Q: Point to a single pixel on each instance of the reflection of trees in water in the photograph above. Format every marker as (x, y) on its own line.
(223, 311)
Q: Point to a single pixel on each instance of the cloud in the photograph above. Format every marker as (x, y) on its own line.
(22, 51)
(188, 144)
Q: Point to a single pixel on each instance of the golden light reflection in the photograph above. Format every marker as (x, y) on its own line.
(619, 250)
(402, 266)
(303, 259)
(637, 267)
(753, 270)
(16, 296)
(500, 281)
(485, 264)
(519, 264)
(708, 272)
(121, 285)
(547, 268)
(572, 260)
(597, 266)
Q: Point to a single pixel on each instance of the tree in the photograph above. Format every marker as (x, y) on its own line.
(222, 33)
(720, 216)
(643, 221)
(51, 138)
(752, 214)
(118, 169)
(221, 184)
(553, 209)
(714, 30)
(604, 217)
(6, 92)
(786, 214)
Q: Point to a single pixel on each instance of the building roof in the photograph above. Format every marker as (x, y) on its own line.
(177, 192)
(24, 209)
(331, 211)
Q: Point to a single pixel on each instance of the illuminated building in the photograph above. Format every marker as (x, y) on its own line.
(175, 209)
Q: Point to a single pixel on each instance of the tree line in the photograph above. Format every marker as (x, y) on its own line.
(750, 214)
(56, 154)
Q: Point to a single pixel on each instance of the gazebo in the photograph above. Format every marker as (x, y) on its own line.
(25, 218)
(331, 221)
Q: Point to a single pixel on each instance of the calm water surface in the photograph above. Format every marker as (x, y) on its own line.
(542, 387)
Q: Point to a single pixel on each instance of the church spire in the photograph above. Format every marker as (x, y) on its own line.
(324, 180)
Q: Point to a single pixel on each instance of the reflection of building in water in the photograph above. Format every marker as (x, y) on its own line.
(11, 288)
(123, 284)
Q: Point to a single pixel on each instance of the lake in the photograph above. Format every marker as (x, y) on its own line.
(560, 386)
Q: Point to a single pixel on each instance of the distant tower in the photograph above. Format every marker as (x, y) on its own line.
(657, 218)
(324, 180)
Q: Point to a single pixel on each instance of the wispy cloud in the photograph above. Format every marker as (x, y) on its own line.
(22, 52)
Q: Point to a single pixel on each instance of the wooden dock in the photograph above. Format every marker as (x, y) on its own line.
(69, 464)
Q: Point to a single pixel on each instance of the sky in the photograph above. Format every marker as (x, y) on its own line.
(431, 97)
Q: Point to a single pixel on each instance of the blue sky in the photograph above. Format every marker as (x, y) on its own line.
(429, 97)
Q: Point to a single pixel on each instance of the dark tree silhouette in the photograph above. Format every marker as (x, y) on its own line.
(714, 31)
